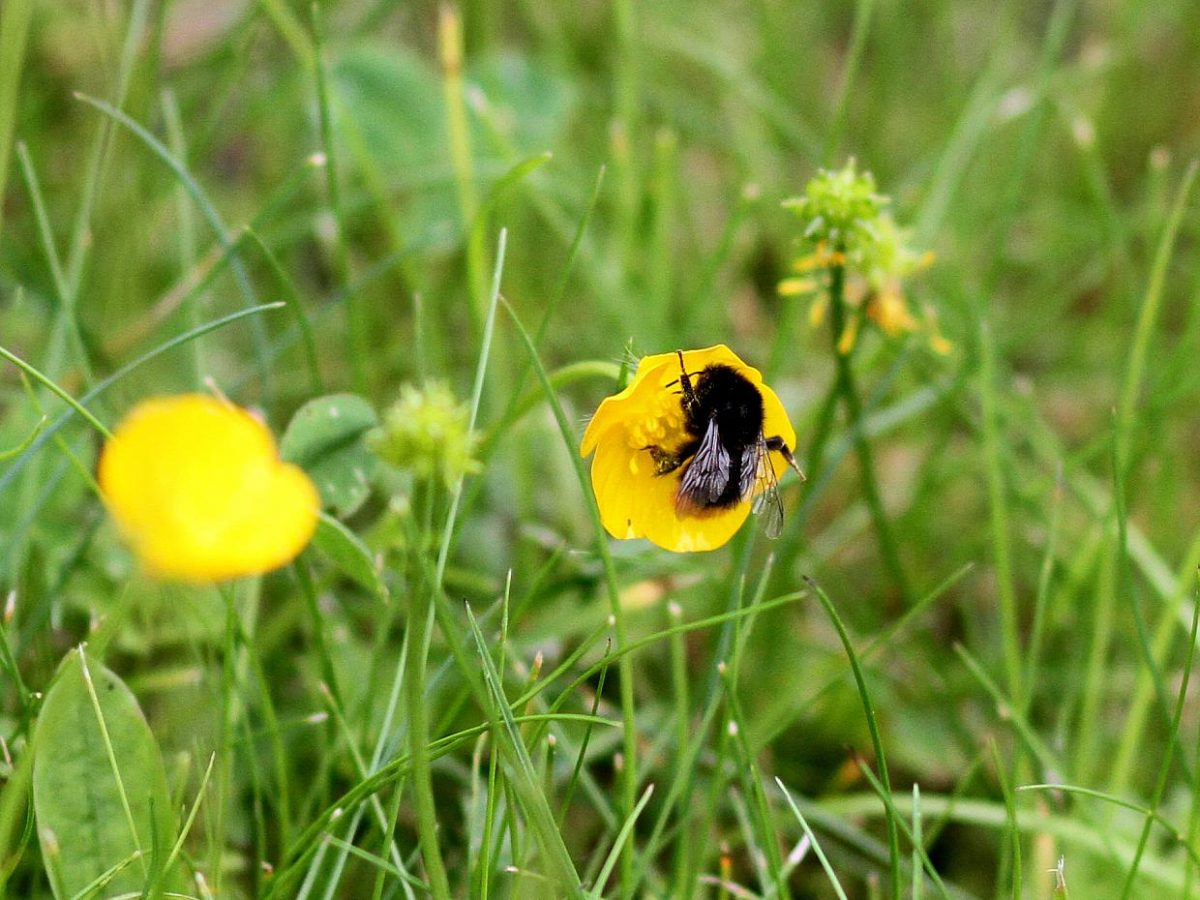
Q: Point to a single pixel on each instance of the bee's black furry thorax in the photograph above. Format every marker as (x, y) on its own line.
(724, 394)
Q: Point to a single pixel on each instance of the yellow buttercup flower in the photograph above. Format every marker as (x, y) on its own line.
(645, 472)
(196, 485)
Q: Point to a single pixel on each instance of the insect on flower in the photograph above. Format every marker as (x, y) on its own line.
(688, 449)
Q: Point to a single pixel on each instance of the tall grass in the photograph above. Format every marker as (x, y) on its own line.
(470, 690)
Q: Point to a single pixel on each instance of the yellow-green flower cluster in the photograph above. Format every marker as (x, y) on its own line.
(847, 225)
(427, 432)
(840, 209)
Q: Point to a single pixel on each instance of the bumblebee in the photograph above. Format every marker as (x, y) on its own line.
(726, 458)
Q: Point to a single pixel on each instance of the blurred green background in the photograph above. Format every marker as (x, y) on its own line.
(363, 176)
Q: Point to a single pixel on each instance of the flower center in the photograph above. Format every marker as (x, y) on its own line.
(661, 424)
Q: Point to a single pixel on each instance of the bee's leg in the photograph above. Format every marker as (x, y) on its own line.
(777, 445)
(685, 381)
(665, 462)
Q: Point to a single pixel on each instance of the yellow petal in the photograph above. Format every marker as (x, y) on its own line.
(795, 287)
(197, 486)
(634, 500)
(849, 337)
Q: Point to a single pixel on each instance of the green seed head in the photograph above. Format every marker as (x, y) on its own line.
(426, 432)
(840, 208)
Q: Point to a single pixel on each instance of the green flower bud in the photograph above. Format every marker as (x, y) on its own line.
(840, 208)
(426, 432)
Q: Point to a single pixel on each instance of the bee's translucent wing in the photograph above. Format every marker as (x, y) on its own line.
(707, 475)
(768, 505)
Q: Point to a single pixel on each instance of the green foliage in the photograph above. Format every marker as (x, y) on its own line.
(327, 438)
(1011, 568)
(349, 555)
(104, 815)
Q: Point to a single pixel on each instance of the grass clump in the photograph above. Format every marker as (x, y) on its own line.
(419, 246)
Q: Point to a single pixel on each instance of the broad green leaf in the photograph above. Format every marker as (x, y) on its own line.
(349, 555)
(99, 787)
(325, 438)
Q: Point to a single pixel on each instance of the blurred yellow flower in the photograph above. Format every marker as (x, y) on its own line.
(196, 485)
(644, 452)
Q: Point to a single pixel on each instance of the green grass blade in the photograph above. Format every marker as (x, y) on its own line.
(15, 17)
(523, 775)
(816, 847)
(876, 740)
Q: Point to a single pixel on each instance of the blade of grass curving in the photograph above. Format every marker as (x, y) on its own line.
(187, 224)
(1008, 711)
(25, 441)
(101, 386)
(1148, 318)
(858, 41)
(614, 854)
(307, 337)
(625, 663)
(816, 846)
(918, 883)
(1144, 811)
(47, 382)
(15, 17)
(994, 453)
(876, 740)
(1165, 767)
(1010, 807)
(46, 234)
(1163, 873)
(884, 639)
(258, 333)
(523, 775)
(357, 339)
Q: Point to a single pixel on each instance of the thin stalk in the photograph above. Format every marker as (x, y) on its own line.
(997, 491)
(450, 55)
(848, 391)
(356, 324)
(876, 740)
(419, 628)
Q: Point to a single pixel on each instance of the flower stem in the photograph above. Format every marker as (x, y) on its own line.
(419, 623)
(848, 391)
